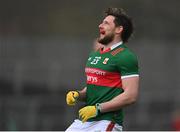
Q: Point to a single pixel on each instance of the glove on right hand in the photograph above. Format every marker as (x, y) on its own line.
(71, 97)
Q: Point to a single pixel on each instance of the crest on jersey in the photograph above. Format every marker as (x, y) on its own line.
(105, 60)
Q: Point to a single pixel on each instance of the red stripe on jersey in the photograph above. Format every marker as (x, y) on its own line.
(110, 127)
(117, 51)
(100, 77)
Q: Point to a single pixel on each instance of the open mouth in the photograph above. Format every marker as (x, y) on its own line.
(102, 32)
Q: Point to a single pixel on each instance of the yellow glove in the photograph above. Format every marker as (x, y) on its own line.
(89, 112)
(71, 97)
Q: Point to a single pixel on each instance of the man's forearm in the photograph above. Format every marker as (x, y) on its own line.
(129, 96)
(117, 103)
(82, 94)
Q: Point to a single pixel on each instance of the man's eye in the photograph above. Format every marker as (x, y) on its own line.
(106, 22)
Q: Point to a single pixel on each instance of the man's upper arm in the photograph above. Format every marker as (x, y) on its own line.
(129, 70)
(131, 86)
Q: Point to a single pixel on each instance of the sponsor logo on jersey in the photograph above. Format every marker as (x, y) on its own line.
(95, 71)
(101, 77)
(92, 79)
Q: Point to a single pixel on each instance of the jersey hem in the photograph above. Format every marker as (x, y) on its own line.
(128, 76)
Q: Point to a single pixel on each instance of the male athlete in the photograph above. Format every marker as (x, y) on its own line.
(112, 77)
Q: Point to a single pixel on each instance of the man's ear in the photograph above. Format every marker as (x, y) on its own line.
(119, 29)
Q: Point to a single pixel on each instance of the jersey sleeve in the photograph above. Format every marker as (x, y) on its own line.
(128, 65)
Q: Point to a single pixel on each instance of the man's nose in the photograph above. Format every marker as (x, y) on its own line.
(100, 26)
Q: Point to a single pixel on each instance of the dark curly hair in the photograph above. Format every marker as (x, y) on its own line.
(121, 19)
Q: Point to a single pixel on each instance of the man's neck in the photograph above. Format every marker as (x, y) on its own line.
(111, 44)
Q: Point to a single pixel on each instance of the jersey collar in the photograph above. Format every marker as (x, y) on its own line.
(116, 45)
(111, 48)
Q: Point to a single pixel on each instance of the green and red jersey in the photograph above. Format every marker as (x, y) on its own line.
(105, 71)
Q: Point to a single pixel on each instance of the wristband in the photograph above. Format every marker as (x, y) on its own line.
(98, 108)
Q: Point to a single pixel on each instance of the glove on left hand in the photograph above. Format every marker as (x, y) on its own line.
(89, 112)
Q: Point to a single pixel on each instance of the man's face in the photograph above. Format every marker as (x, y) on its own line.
(107, 30)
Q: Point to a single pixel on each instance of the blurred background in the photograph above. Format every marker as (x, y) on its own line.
(44, 45)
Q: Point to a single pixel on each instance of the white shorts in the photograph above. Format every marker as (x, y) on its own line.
(103, 125)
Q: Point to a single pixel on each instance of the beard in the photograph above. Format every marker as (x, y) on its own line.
(106, 39)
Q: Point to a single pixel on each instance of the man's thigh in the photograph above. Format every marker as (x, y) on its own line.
(103, 125)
